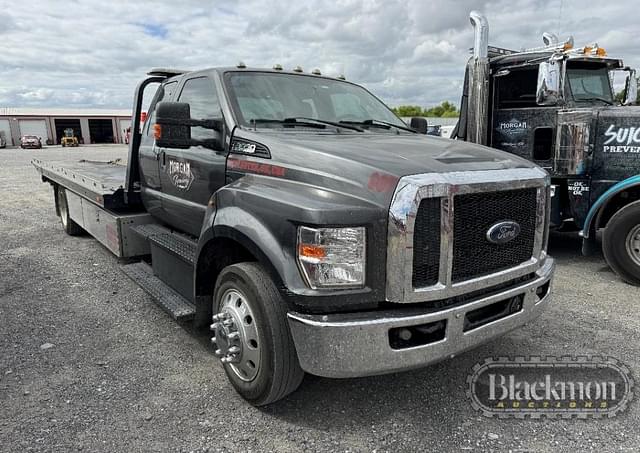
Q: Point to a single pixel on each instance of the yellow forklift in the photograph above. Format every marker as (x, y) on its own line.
(69, 138)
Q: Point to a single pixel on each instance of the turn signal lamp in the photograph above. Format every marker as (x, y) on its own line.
(157, 131)
(567, 46)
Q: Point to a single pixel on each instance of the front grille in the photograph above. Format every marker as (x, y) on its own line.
(473, 255)
(426, 243)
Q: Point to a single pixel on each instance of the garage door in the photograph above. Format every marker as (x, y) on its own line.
(5, 131)
(34, 127)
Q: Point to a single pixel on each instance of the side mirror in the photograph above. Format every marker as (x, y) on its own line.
(172, 128)
(548, 88)
(631, 88)
(419, 124)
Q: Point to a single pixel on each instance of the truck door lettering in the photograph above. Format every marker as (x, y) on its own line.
(620, 140)
(180, 174)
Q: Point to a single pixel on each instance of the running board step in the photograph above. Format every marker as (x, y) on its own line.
(176, 243)
(173, 303)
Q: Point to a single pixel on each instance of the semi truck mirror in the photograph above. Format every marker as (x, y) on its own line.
(631, 88)
(548, 88)
(419, 124)
(172, 128)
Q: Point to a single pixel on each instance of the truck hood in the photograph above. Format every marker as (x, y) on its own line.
(369, 165)
(399, 155)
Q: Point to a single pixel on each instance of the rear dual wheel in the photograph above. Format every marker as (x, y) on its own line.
(621, 243)
(251, 335)
(70, 227)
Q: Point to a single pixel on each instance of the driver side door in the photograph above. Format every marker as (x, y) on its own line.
(190, 176)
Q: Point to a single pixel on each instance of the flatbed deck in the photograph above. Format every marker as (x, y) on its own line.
(102, 182)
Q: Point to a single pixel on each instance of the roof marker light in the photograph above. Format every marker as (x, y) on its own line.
(316, 72)
(297, 69)
(599, 51)
(241, 65)
(342, 77)
(277, 67)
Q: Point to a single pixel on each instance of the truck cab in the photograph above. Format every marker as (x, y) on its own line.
(554, 105)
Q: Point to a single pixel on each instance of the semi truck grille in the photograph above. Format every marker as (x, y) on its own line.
(426, 243)
(473, 255)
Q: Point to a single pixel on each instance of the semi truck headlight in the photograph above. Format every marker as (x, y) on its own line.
(332, 257)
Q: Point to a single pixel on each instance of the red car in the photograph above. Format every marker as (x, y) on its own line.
(30, 141)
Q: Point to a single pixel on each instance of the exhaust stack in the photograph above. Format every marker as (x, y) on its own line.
(478, 81)
(481, 35)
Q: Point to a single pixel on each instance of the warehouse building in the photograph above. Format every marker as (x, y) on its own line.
(89, 125)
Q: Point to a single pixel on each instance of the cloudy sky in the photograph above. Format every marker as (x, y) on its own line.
(91, 53)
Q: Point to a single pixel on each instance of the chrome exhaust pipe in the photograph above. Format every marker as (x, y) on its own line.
(481, 37)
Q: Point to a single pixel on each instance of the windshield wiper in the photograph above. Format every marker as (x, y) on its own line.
(286, 121)
(379, 124)
(305, 122)
(329, 123)
(595, 98)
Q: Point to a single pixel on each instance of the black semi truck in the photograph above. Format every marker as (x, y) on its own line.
(555, 106)
(311, 228)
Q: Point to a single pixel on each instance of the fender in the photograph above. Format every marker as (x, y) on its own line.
(235, 223)
(263, 213)
(604, 199)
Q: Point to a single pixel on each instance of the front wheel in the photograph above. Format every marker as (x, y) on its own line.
(621, 243)
(251, 335)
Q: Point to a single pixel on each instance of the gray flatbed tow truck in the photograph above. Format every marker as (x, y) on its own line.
(311, 228)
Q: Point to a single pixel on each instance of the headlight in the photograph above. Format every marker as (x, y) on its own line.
(332, 257)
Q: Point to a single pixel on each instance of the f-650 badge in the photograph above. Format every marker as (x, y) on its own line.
(180, 174)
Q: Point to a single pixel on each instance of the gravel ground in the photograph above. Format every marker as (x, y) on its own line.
(88, 362)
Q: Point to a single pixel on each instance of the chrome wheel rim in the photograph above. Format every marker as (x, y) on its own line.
(236, 335)
(633, 244)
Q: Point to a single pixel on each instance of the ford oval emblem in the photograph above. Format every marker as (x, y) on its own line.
(503, 232)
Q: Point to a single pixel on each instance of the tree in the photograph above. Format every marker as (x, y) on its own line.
(446, 109)
(408, 110)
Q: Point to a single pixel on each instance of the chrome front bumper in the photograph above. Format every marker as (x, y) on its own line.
(358, 344)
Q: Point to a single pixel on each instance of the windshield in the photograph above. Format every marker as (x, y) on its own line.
(258, 97)
(589, 83)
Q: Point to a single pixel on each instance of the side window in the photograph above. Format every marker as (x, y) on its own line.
(169, 88)
(201, 95)
(517, 89)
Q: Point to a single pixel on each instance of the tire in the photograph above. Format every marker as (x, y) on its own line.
(70, 227)
(278, 371)
(621, 243)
